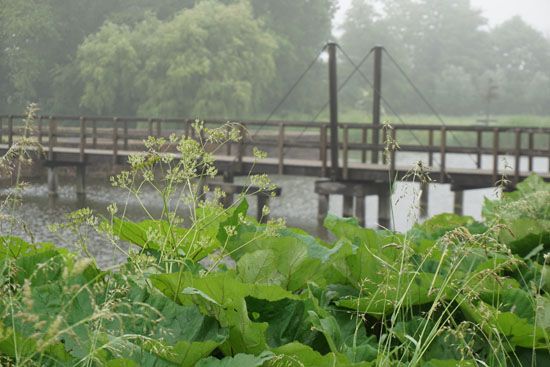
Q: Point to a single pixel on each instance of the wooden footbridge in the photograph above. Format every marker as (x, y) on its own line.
(466, 157)
(350, 159)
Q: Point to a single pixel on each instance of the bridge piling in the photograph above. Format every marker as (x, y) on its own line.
(52, 182)
(347, 209)
(424, 198)
(384, 208)
(355, 191)
(322, 208)
(458, 206)
(360, 210)
(81, 181)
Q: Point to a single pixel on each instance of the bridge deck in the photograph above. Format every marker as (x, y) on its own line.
(460, 178)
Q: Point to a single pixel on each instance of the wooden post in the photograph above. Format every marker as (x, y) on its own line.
(82, 139)
(384, 208)
(115, 141)
(364, 139)
(360, 210)
(424, 199)
(517, 154)
(281, 148)
(52, 181)
(39, 130)
(479, 147)
(241, 148)
(459, 202)
(125, 134)
(333, 93)
(431, 146)
(376, 101)
(94, 133)
(347, 210)
(345, 152)
(322, 209)
(51, 137)
(227, 139)
(531, 148)
(393, 153)
(81, 181)
(159, 129)
(10, 131)
(323, 151)
(1, 129)
(496, 148)
(150, 126)
(443, 147)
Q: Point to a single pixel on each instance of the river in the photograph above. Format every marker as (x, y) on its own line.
(298, 204)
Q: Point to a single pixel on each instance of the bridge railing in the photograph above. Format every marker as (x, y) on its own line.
(481, 146)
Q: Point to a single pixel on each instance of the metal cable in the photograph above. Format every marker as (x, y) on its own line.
(393, 111)
(425, 100)
(316, 116)
(285, 97)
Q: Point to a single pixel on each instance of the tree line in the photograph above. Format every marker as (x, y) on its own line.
(238, 58)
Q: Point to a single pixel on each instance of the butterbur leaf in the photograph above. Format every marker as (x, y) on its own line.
(440, 224)
(223, 296)
(240, 360)
(298, 355)
(288, 320)
(449, 363)
(396, 291)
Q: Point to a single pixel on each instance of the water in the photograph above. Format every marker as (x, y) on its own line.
(298, 204)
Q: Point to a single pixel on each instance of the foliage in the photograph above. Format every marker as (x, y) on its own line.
(525, 217)
(219, 289)
(212, 59)
(450, 52)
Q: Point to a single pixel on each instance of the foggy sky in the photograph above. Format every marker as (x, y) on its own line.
(535, 12)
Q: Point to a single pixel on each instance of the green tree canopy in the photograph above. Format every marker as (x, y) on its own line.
(212, 59)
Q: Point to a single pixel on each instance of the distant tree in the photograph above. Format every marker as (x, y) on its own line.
(300, 28)
(522, 53)
(26, 31)
(538, 94)
(213, 59)
(454, 91)
(427, 37)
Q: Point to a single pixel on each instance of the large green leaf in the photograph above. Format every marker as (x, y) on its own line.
(240, 360)
(296, 354)
(440, 224)
(223, 296)
(396, 292)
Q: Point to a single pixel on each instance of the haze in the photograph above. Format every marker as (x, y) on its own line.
(534, 12)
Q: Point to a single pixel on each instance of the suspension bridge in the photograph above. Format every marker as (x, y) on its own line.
(354, 160)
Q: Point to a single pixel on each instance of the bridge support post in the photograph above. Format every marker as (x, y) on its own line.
(347, 210)
(52, 182)
(80, 181)
(335, 173)
(376, 101)
(322, 208)
(360, 211)
(424, 198)
(384, 209)
(459, 202)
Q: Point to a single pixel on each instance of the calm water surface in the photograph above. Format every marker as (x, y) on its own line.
(298, 204)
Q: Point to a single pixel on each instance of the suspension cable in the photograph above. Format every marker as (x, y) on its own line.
(393, 111)
(425, 100)
(285, 97)
(316, 116)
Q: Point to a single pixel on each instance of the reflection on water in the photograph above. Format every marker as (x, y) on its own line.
(298, 204)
